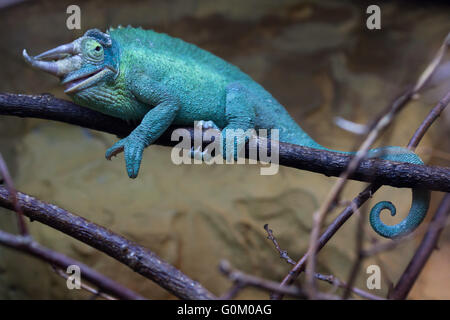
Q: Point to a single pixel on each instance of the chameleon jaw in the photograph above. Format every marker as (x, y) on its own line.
(84, 81)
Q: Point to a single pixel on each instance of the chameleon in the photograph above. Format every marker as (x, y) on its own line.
(157, 80)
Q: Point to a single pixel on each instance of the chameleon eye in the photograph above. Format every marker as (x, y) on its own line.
(93, 51)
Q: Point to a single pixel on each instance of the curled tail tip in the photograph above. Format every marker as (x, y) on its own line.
(416, 214)
(379, 226)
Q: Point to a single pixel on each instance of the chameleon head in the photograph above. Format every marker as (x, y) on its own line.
(83, 63)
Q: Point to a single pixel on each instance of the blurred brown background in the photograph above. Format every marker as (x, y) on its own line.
(316, 57)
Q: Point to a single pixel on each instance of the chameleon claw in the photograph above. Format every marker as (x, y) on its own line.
(113, 151)
(206, 124)
(133, 157)
(204, 155)
(196, 153)
(198, 124)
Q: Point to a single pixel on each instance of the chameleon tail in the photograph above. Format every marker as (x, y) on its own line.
(420, 197)
(419, 208)
(291, 132)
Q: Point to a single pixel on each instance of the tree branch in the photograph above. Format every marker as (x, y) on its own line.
(242, 280)
(396, 174)
(26, 244)
(139, 259)
(426, 124)
(327, 278)
(4, 172)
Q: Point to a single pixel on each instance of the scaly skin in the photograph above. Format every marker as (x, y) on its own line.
(140, 75)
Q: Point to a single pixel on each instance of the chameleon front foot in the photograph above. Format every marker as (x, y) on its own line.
(198, 154)
(133, 150)
(206, 124)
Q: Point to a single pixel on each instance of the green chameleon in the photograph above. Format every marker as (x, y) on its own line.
(142, 75)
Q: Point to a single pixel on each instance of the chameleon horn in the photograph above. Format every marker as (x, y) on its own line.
(47, 66)
(58, 52)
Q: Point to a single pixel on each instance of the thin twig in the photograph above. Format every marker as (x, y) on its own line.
(96, 293)
(283, 253)
(384, 246)
(246, 280)
(338, 283)
(23, 229)
(335, 225)
(360, 232)
(232, 292)
(26, 244)
(432, 66)
(426, 124)
(327, 278)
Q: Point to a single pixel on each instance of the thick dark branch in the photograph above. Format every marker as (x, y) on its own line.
(139, 259)
(329, 163)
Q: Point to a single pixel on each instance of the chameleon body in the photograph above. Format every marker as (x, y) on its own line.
(142, 75)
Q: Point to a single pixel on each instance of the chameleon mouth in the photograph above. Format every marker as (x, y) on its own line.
(83, 81)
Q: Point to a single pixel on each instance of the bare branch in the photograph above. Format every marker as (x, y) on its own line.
(334, 226)
(338, 283)
(304, 158)
(426, 124)
(95, 293)
(27, 245)
(327, 278)
(358, 249)
(283, 253)
(139, 259)
(23, 229)
(242, 280)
